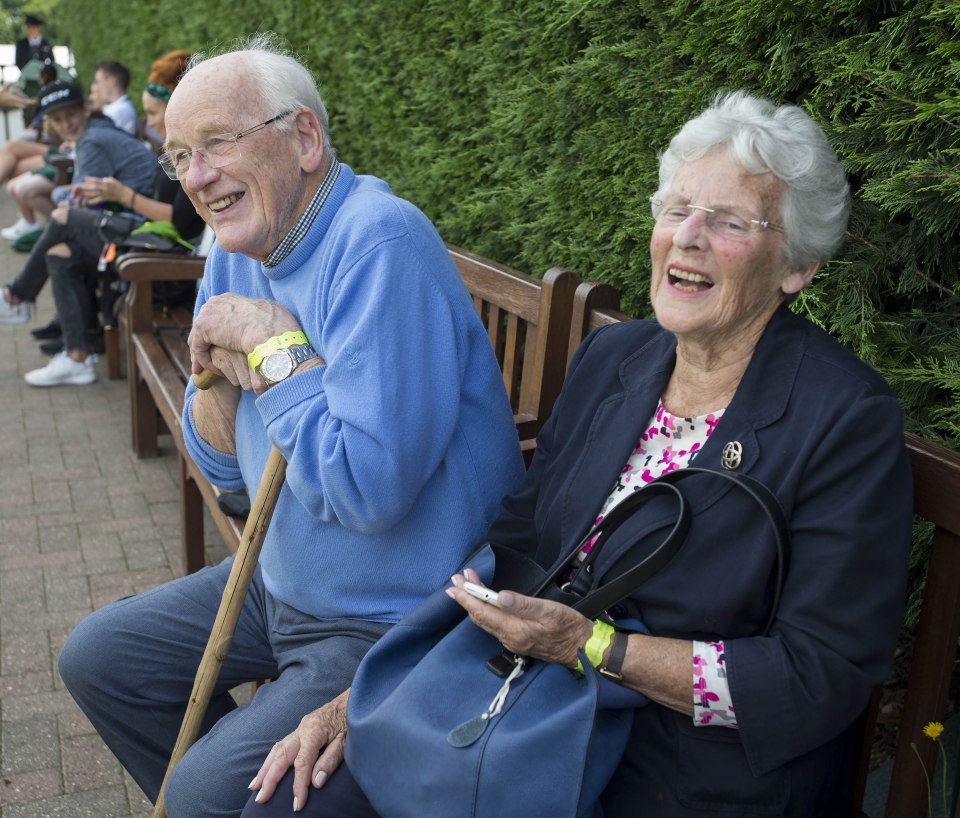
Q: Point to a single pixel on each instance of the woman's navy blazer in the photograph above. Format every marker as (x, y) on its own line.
(824, 432)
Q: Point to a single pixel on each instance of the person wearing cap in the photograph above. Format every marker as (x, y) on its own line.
(101, 150)
(33, 46)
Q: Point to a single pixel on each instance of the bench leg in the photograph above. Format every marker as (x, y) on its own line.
(191, 521)
(111, 346)
(143, 419)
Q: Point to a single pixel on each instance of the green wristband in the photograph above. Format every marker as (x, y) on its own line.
(597, 644)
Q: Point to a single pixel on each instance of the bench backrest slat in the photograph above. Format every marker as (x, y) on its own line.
(527, 321)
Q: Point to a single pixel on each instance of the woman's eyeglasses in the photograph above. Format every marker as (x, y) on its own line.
(722, 222)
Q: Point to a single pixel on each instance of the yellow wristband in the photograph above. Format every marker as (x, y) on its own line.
(597, 644)
(275, 344)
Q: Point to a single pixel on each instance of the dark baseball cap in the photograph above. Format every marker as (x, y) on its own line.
(58, 94)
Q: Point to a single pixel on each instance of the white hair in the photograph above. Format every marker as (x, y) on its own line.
(762, 137)
(283, 82)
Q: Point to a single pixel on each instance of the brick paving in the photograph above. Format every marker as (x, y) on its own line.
(82, 522)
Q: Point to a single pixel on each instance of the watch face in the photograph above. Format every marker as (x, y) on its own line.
(277, 366)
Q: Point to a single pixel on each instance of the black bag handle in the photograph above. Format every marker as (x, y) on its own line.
(595, 602)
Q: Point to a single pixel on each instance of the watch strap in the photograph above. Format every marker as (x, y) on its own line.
(275, 344)
(613, 667)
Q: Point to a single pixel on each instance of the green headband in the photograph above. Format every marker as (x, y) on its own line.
(161, 92)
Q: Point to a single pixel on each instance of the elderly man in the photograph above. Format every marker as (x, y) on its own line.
(345, 338)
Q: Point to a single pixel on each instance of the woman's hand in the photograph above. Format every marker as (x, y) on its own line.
(93, 191)
(314, 749)
(525, 625)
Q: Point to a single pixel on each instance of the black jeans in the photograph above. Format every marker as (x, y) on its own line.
(73, 279)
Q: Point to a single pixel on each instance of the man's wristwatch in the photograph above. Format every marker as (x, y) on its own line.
(276, 358)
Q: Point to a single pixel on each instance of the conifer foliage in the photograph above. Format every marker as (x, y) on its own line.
(529, 132)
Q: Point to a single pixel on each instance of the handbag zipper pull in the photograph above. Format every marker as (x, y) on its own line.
(467, 733)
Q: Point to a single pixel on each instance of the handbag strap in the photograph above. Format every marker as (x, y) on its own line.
(594, 603)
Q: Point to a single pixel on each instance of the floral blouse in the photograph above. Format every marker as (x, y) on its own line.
(671, 443)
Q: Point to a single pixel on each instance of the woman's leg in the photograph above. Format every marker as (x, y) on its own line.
(31, 194)
(18, 156)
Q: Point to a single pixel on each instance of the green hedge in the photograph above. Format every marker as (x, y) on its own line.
(529, 131)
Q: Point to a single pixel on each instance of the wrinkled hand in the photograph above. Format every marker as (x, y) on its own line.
(227, 328)
(525, 625)
(314, 749)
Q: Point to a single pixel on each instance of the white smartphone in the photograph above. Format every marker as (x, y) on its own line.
(486, 594)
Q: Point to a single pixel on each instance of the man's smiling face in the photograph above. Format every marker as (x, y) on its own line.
(255, 200)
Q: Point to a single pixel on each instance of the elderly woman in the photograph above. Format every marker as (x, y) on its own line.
(751, 202)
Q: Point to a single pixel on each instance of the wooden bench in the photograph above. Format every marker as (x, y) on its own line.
(527, 321)
(936, 498)
(158, 365)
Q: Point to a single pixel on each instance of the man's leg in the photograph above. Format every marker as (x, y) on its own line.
(131, 666)
(317, 662)
(340, 797)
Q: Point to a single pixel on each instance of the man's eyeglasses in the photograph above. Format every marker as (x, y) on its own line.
(216, 153)
(724, 223)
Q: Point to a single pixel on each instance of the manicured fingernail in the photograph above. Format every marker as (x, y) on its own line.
(449, 593)
(250, 785)
(321, 779)
(296, 804)
(259, 796)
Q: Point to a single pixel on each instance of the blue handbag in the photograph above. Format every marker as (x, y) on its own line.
(436, 729)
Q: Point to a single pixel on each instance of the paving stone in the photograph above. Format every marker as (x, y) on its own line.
(30, 744)
(88, 764)
(28, 788)
(83, 521)
(105, 803)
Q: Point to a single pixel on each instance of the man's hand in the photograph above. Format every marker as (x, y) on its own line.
(315, 749)
(227, 328)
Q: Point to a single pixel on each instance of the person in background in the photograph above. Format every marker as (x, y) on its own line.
(21, 159)
(751, 202)
(73, 244)
(108, 94)
(102, 150)
(345, 338)
(33, 45)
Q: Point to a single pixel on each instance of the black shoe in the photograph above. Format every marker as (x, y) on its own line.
(94, 344)
(48, 333)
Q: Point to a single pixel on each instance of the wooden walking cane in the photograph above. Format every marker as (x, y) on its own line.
(225, 624)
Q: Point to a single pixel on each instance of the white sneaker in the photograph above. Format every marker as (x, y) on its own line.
(14, 313)
(21, 228)
(63, 370)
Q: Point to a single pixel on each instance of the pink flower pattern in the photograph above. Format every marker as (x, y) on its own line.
(712, 704)
(670, 443)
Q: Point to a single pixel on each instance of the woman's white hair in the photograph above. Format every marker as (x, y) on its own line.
(282, 80)
(762, 137)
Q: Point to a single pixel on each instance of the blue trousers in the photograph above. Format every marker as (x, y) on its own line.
(131, 666)
(341, 797)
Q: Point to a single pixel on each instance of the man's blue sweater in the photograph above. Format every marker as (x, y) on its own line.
(401, 446)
